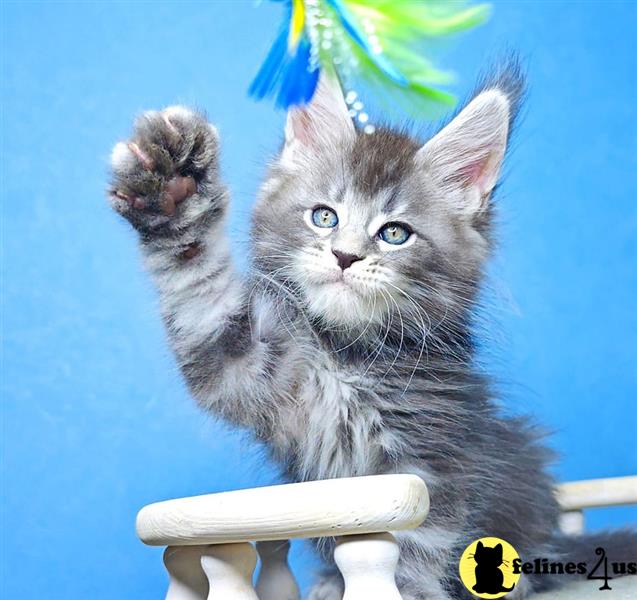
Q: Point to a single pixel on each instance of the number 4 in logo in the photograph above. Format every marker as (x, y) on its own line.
(605, 578)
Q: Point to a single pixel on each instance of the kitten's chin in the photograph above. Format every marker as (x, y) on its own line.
(337, 302)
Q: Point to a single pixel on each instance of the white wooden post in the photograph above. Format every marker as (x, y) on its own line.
(572, 522)
(229, 569)
(276, 581)
(368, 565)
(186, 577)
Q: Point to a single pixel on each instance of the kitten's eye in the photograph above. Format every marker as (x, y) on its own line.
(394, 233)
(324, 217)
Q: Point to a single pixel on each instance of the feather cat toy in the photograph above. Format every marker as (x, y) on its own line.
(375, 44)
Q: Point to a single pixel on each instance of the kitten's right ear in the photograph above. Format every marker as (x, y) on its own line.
(479, 546)
(322, 124)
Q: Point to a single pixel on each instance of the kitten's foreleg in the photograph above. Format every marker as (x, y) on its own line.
(166, 184)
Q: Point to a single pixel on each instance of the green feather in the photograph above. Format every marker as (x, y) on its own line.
(402, 32)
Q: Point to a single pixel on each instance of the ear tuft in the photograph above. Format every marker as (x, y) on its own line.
(507, 76)
(323, 123)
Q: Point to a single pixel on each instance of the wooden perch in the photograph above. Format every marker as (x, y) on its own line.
(334, 507)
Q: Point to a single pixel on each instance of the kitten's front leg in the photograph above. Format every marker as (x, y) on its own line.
(166, 184)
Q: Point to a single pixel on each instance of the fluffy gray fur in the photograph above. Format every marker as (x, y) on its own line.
(355, 371)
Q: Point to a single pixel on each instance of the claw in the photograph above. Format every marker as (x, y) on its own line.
(170, 126)
(142, 157)
(121, 195)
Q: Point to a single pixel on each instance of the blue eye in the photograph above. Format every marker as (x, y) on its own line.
(394, 233)
(324, 217)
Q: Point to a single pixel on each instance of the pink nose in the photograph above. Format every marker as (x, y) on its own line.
(344, 259)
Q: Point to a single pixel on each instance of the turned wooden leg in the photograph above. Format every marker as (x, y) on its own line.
(368, 565)
(229, 569)
(276, 581)
(186, 577)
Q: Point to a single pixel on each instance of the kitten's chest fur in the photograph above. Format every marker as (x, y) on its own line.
(335, 429)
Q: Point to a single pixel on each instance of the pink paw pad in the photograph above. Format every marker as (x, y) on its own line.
(176, 191)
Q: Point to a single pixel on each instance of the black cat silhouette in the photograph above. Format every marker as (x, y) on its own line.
(489, 578)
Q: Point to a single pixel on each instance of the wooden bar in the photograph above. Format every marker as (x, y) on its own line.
(333, 507)
(613, 491)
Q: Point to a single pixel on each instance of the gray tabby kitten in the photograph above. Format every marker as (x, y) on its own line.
(348, 349)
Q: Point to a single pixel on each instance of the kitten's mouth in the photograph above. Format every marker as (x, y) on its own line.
(337, 280)
(334, 277)
(341, 281)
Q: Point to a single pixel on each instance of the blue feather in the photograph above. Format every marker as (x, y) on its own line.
(266, 79)
(298, 82)
(286, 76)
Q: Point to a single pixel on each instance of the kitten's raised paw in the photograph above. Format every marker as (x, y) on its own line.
(171, 157)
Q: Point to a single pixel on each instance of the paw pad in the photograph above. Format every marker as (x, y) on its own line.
(176, 191)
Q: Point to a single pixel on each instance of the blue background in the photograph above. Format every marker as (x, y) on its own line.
(96, 422)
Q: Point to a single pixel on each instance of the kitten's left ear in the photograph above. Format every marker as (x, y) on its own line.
(322, 124)
(465, 157)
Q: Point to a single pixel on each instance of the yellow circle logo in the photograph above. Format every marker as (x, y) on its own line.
(486, 568)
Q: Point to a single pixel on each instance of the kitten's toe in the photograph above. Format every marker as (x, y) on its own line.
(135, 187)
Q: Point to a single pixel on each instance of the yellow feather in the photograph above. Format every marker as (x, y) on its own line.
(297, 24)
